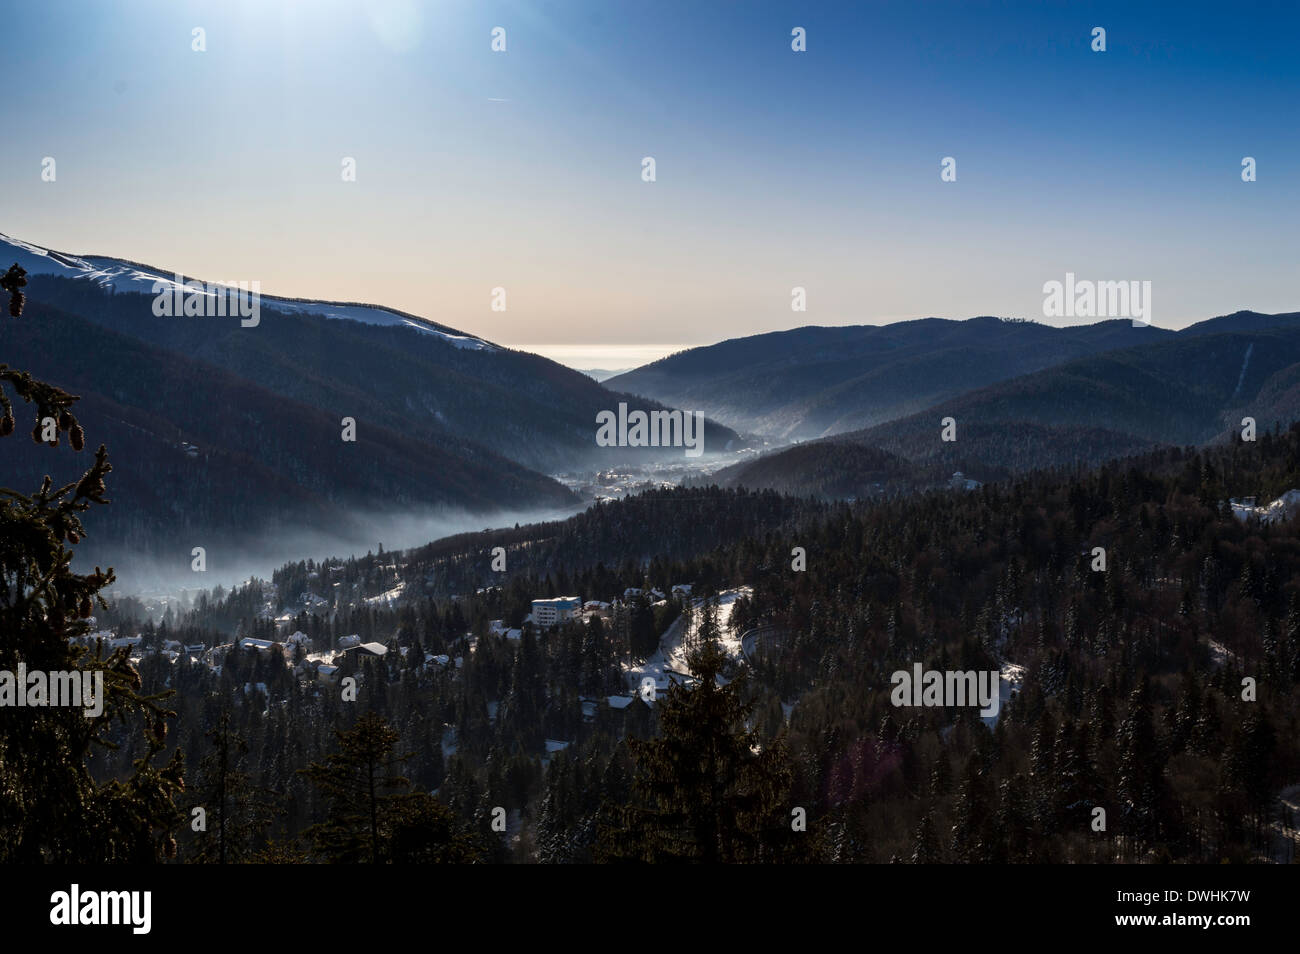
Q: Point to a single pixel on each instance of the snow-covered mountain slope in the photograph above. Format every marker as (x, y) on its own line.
(125, 276)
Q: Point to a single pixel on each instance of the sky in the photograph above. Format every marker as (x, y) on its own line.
(522, 169)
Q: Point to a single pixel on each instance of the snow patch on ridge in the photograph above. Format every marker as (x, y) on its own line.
(123, 276)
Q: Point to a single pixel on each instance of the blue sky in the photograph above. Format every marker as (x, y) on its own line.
(774, 169)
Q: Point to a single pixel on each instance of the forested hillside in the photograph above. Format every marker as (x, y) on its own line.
(1126, 681)
(1190, 389)
(812, 382)
(205, 456)
(232, 437)
(509, 404)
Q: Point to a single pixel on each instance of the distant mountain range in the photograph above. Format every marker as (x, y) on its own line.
(815, 382)
(224, 431)
(219, 429)
(1189, 387)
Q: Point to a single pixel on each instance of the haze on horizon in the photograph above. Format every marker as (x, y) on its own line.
(775, 169)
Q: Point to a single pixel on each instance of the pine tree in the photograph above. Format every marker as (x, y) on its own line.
(359, 781)
(1249, 767)
(592, 656)
(1141, 769)
(925, 841)
(1014, 822)
(552, 831)
(1076, 787)
(1042, 769)
(422, 830)
(969, 833)
(225, 792)
(51, 808)
(705, 790)
(642, 636)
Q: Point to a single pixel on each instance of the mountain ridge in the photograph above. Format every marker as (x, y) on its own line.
(1186, 391)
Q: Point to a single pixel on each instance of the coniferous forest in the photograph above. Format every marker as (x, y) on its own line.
(1131, 698)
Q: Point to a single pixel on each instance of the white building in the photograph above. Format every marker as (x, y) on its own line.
(551, 612)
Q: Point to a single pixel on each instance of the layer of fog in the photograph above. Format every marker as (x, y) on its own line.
(173, 580)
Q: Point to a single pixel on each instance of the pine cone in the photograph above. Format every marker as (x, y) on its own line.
(6, 425)
(77, 436)
(84, 607)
